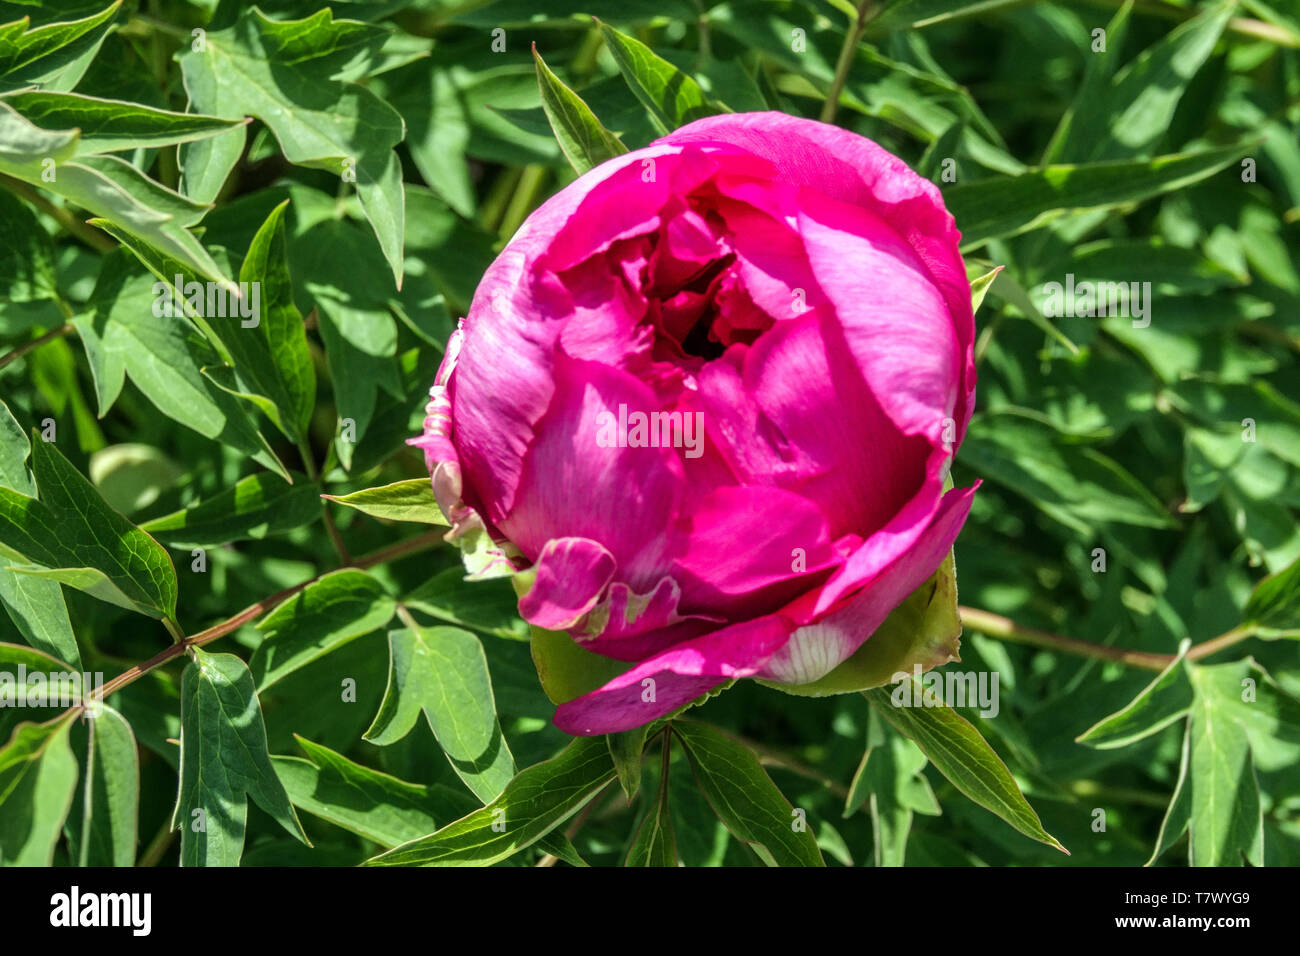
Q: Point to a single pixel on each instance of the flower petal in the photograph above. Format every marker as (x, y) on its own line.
(571, 576)
(674, 677)
(575, 482)
(852, 169)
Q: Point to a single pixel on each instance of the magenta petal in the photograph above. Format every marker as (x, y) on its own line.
(850, 168)
(750, 550)
(674, 678)
(892, 566)
(630, 627)
(916, 376)
(571, 577)
(575, 483)
(860, 468)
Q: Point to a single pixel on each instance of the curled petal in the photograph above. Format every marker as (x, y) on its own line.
(571, 576)
(674, 677)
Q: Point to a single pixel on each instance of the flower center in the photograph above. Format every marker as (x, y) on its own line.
(700, 339)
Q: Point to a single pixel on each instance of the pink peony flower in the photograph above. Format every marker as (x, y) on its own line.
(707, 399)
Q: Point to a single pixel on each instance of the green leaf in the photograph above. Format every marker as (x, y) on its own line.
(51, 53)
(487, 606)
(655, 843)
(79, 540)
(1165, 700)
(285, 74)
(107, 187)
(745, 798)
(584, 142)
(224, 761)
(133, 475)
(331, 611)
(366, 802)
(534, 803)
(14, 449)
(28, 272)
(443, 672)
(1246, 693)
(50, 688)
(671, 97)
(1128, 117)
(35, 606)
(112, 125)
(271, 358)
(918, 14)
(1274, 605)
(360, 352)
(102, 823)
(1225, 820)
(979, 287)
(38, 774)
(1076, 485)
(1010, 205)
(162, 356)
(410, 500)
(625, 750)
(890, 779)
(957, 750)
(255, 507)
(1179, 811)
(38, 610)
(1004, 286)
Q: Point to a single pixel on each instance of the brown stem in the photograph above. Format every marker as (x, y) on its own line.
(995, 625)
(254, 611)
(22, 350)
(66, 220)
(1216, 644)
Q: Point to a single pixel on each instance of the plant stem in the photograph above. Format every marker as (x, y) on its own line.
(995, 625)
(313, 473)
(158, 846)
(83, 231)
(34, 344)
(254, 611)
(523, 199)
(842, 66)
(1216, 644)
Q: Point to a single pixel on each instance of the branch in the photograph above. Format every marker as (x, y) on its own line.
(254, 611)
(34, 344)
(995, 625)
(70, 223)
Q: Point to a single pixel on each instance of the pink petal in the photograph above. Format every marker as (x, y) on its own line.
(625, 499)
(674, 678)
(571, 577)
(893, 563)
(750, 550)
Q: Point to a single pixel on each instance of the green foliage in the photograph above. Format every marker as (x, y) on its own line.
(338, 176)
